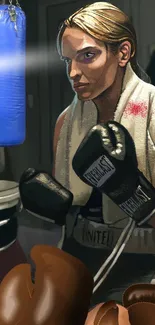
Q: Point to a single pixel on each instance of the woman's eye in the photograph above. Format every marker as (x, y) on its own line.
(88, 55)
(66, 60)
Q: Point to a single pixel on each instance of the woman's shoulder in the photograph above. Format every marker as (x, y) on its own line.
(59, 124)
(58, 127)
(62, 116)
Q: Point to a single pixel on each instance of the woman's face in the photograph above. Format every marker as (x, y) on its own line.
(91, 67)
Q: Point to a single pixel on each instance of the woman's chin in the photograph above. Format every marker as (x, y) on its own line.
(84, 96)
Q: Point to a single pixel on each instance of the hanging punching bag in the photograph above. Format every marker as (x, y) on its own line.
(12, 74)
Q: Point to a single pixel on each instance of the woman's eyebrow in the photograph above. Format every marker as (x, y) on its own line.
(87, 48)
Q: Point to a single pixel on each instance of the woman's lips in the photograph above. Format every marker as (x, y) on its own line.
(80, 87)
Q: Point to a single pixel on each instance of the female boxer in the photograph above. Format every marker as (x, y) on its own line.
(98, 44)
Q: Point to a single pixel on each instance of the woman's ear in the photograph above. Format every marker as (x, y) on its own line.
(124, 53)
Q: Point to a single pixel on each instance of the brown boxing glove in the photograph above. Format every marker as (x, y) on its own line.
(60, 296)
(108, 313)
(142, 313)
(140, 301)
(142, 292)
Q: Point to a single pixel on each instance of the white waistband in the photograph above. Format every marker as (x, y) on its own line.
(102, 236)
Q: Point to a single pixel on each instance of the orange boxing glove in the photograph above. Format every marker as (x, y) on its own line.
(108, 313)
(60, 296)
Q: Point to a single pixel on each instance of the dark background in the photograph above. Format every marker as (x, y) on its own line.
(49, 92)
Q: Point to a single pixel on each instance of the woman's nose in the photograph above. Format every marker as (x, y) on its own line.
(74, 70)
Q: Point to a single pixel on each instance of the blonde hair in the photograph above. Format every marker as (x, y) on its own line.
(104, 22)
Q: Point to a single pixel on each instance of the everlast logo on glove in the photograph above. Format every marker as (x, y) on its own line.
(101, 170)
(115, 173)
(131, 205)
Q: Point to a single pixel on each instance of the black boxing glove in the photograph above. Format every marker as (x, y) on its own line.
(42, 195)
(106, 159)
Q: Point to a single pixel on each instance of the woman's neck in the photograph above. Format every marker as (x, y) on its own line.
(106, 102)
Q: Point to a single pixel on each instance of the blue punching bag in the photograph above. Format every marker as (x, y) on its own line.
(12, 75)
